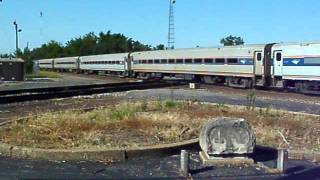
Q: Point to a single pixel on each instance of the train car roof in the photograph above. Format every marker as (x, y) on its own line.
(298, 43)
(116, 54)
(65, 58)
(253, 46)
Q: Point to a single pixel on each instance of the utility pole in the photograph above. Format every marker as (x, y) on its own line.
(17, 36)
(171, 38)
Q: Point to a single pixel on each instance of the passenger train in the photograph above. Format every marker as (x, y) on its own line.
(282, 65)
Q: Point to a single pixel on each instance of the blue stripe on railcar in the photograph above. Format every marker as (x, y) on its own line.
(245, 61)
(299, 62)
(293, 61)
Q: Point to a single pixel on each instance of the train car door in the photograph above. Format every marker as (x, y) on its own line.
(258, 63)
(127, 65)
(277, 63)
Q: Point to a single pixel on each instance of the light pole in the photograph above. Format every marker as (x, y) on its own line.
(171, 38)
(17, 36)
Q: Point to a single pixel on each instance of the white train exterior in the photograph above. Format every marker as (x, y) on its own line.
(284, 65)
(212, 65)
(66, 64)
(298, 65)
(46, 63)
(110, 63)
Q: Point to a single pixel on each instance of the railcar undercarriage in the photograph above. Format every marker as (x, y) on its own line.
(308, 87)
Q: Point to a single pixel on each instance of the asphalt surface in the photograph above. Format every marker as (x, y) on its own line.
(220, 98)
(165, 168)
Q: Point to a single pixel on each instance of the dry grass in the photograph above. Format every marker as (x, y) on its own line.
(44, 74)
(147, 123)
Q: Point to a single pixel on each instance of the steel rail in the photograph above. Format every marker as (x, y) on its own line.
(64, 92)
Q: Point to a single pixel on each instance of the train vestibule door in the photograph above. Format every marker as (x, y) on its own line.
(258, 68)
(277, 63)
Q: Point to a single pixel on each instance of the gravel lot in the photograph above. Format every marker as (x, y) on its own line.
(67, 79)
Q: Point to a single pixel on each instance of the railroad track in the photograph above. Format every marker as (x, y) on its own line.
(21, 95)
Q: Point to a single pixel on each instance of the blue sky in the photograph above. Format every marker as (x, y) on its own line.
(198, 22)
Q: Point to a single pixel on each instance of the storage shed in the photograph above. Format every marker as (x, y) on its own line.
(11, 69)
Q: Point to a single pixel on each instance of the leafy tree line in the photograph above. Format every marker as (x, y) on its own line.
(232, 41)
(92, 44)
(89, 44)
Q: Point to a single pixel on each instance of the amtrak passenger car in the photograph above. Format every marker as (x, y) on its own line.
(111, 63)
(233, 65)
(282, 65)
(46, 64)
(297, 65)
(67, 63)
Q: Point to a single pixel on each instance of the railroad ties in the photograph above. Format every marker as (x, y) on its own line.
(22, 95)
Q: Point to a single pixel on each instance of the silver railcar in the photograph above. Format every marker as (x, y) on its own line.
(109, 63)
(232, 65)
(66, 64)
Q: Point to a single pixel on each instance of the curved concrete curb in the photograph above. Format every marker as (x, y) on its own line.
(96, 155)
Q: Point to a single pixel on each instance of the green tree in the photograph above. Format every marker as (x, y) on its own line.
(232, 41)
(89, 44)
(5, 55)
(160, 47)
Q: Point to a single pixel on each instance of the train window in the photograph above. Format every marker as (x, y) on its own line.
(188, 61)
(179, 61)
(144, 61)
(279, 56)
(150, 61)
(136, 62)
(220, 61)
(208, 61)
(198, 61)
(157, 61)
(232, 61)
(164, 61)
(171, 61)
(259, 56)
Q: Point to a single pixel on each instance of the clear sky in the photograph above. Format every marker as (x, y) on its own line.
(198, 22)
